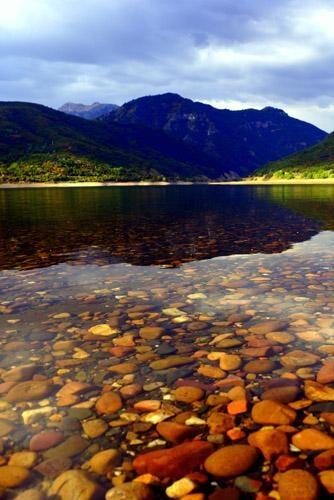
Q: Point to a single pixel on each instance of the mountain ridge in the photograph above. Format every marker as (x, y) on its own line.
(243, 140)
(88, 111)
(38, 143)
(311, 163)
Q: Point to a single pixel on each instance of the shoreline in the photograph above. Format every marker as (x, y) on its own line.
(255, 182)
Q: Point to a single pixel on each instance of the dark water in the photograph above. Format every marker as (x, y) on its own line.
(156, 225)
(182, 258)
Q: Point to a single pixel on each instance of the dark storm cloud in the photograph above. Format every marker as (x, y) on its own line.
(233, 54)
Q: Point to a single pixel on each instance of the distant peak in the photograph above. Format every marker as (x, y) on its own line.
(275, 110)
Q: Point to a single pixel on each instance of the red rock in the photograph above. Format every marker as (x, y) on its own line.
(131, 390)
(174, 462)
(147, 405)
(326, 373)
(45, 440)
(237, 407)
(287, 462)
(324, 460)
(235, 434)
(256, 352)
(230, 380)
(108, 403)
(176, 433)
(120, 351)
(229, 493)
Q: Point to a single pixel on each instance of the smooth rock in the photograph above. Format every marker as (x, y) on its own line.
(130, 491)
(12, 476)
(312, 439)
(72, 446)
(259, 366)
(327, 480)
(231, 461)
(188, 394)
(151, 332)
(102, 330)
(108, 403)
(95, 427)
(175, 433)
(26, 459)
(268, 326)
(29, 391)
(281, 394)
(324, 460)
(20, 373)
(297, 484)
(30, 494)
(45, 440)
(170, 362)
(229, 362)
(75, 484)
(326, 373)
(104, 461)
(273, 413)
(298, 358)
(173, 462)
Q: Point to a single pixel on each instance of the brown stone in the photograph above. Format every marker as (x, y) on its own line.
(312, 439)
(326, 373)
(259, 366)
(318, 392)
(297, 359)
(75, 484)
(297, 484)
(12, 476)
(273, 413)
(45, 440)
(271, 442)
(231, 461)
(151, 332)
(188, 394)
(176, 433)
(29, 391)
(173, 462)
(108, 403)
(324, 460)
(268, 326)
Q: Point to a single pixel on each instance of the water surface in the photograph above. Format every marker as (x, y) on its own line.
(197, 261)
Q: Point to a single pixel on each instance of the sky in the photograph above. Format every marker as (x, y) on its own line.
(229, 53)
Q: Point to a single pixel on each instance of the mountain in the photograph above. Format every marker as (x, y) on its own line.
(38, 143)
(239, 141)
(88, 111)
(312, 163)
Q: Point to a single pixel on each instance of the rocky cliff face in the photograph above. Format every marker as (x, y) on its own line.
(239, 140)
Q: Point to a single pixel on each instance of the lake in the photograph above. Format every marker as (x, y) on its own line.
(177, 302)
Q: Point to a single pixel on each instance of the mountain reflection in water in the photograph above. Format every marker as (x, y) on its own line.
(156, 225)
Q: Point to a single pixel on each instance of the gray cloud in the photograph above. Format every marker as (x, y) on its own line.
(231, 54)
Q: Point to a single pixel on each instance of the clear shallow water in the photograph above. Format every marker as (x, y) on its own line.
(126, 256)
